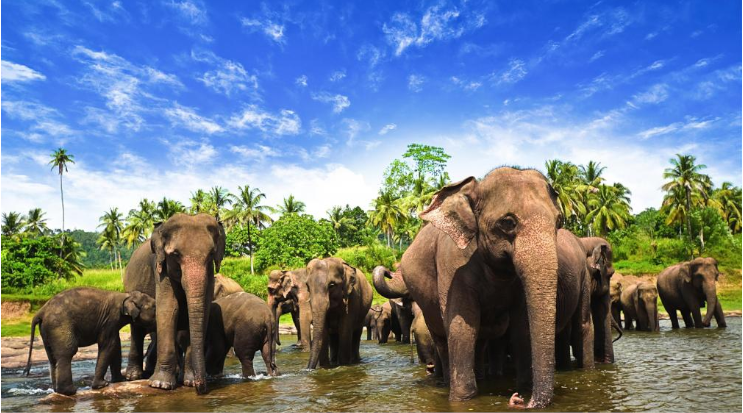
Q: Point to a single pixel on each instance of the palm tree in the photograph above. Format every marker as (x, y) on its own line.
(199, 202)
(71, 252)
(139, 223)
(107, 242)
(564, 179)
(60, 159)
(12, 224)
(111, 221)
(36, 223)
(608, 210)
(290, 205)
(339, 221)
(728, 202)
(218, 199)
(248, 211)
(685, 175)
(167, 208)
(387, 214)
(591, 174)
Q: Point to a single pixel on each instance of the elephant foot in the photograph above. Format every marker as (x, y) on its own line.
(723, 325)
(188, 378)
(99, 384)
(117, 378)
(67, 390)
(133, 373)
(430, 369)
(163, 380)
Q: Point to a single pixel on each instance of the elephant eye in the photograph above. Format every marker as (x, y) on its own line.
(507, 224)
(332, 284)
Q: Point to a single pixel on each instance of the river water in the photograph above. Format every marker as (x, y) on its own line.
(682, 370)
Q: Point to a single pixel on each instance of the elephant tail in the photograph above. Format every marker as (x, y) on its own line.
(36, 320)
(616, 327)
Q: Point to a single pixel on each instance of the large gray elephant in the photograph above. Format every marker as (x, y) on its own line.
(640, 303)
(180, 259)
(340, 298)
(600, 261)
(686, 286)
(487, 262)
(84, 316)
(288, 293)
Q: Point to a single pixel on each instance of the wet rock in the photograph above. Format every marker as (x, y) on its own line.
(125, 389)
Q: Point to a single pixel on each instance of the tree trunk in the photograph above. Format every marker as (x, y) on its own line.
(250, 247)
(701, 239)
(688, 212)
(61, 194)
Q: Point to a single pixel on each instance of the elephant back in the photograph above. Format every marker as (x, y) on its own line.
(139, 274)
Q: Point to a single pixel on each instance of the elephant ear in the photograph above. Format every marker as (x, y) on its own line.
(220, 247)
(598, 258)
(158, 248)
(349, 274)
(685, 271)
(129, 307)
(452, 211)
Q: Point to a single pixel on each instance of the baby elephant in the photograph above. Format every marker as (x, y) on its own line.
(243, 321)
(640, 303)
(84, 316)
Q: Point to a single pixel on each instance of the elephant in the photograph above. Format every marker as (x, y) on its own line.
(288, 293)
(486, 262)
(574, 326)
(340, 299)
(640, 302)
(180, 260)
(599, 258)
(685, 287)
(615, 294)
(424, 344)
(385, 322)
(224, 286)
(369, 322)
(402, 319)
(245, 322)
(83, 316)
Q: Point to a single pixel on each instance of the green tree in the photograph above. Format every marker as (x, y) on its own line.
(36, 223)
(564, 178)
(30, 262)
(219, 199)
(139, 223)
(430, 161)
(591, 174)
(686, 181)
(608, 210)
(167, 208)
(290, 205)
(111, 235)
(709, 226)
(60, 159)
(199, 202)
(728, 202)
(293, 240)
(398, 179)
(247, 212)
(13, 223)
(339, 220)
(387, 214)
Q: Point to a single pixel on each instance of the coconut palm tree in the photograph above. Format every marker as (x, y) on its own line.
(591, 174)
(728, 203)
(565, 180)
(60, 159)
(13, 223)
(219, 198)
(107, 242)
(111, 221)
(685, 175)
(36, 223)
(339, 221)
(199, 202)
(72, 254)
(248, 211)
(167, 208)
(387, 214)
(608, 211)
(290, 205)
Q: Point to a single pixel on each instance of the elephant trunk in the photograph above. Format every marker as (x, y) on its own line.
(394, 288)
(535, 259)
(196, 286)
(710, 293)
(319, 334)
(652, 310)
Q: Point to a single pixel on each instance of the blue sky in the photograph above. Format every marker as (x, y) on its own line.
(160, 98)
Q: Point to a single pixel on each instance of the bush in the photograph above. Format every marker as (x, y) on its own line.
(367, 257)
(293, 240)
(29, 262)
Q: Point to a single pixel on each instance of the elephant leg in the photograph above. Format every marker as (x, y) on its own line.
(355, 344)
(246, 360)
(480, 349)
(134, 364)
(462, 324)
(297, 325)
(497, 355)
(442, 361)
(628, 322)
(345, 341)
(674, 318)
(115, 361)
(588, 336)
(688, 321)
(278, 316)
(63, 371)
(696, 314)
(167, 319)
(216, 353)
(266, 352)
(720, 316)
(562, 349)
(151, 356)
(101, 366)
(305, 320)
(520, 345)
(52, 365)
(188, 373)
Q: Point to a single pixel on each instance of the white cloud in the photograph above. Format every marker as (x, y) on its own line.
(339, 102)
(372, 55)
(596, 56)
(415, 83)
(337, 75)
(191, 154)
(515, 72)
(387, 128)
(655, 94)
(301, 81)
(259, 152)
(272, 30)
(692, 124)
(354, 128)
(286, 122)
(24, 110)
(13, 72)
(229, 77)
(316, 128)
(190, 11)
(189, 119)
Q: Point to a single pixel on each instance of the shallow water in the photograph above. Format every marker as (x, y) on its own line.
(682, 370)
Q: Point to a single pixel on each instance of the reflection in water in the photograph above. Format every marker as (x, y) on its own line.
(682, 370)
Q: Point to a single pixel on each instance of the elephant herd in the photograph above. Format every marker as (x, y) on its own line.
(491, 286)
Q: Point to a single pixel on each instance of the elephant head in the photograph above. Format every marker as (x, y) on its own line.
(646, 306)
(511, 219)
(141, 308)
(394, 288)
(702, 274)
(330, 282)
(615, 292)
(383, 322)
(189, 249)
(601, 266)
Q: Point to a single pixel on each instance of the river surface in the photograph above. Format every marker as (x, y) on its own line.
(682, 370)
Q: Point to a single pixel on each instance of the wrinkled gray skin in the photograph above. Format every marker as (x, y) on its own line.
(488, 262)
(288, 293)
(424, 344)
(340, 299)
(224, 286)
(574, 327)
(245, 322)
(384, 323)
(370, 322)
(685, 287)
(640, 302)
(83, 316)
(184, 254)
(600, 262)
(402, 310)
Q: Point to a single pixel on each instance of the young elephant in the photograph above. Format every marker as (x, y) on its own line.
(370, 322)
(685, 287)
(640, 302)
(288, 293)
(84, 316)
(243, 321)
(384, 323)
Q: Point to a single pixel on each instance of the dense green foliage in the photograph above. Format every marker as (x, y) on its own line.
(293, 240)
(33, 261)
